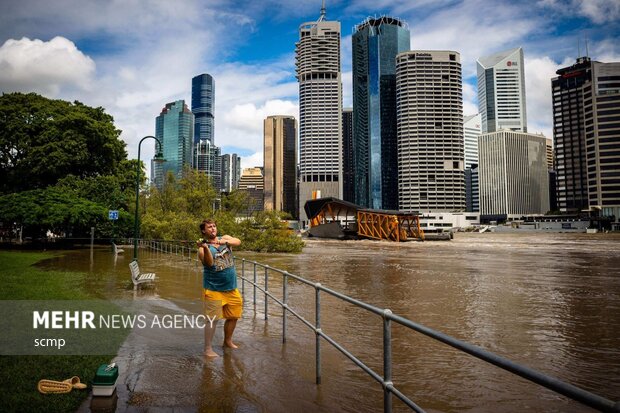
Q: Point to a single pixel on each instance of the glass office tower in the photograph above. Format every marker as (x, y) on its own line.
(174, 129)
(348, 172)
(203, 107)
(376, 42)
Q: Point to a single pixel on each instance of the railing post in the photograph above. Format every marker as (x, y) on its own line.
(254, 298)
(243, 277)
(317, 287)
(387, 361)
(266, 298)
(285, 306)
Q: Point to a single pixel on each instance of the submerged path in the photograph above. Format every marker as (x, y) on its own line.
(551, 302)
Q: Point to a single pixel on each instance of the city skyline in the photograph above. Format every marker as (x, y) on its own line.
(132, 60)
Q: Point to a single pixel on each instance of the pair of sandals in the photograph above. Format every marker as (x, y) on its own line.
(56, 387)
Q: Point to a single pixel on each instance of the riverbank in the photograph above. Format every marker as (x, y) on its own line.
(548, 301)
(20, 280)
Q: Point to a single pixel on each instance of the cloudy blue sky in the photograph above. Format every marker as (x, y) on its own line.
(134, 56)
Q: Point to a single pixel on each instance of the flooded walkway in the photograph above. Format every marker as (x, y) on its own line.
(548, 301)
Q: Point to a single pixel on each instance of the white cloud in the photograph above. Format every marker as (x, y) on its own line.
(470, 99)
(347, 89)
(599, 11)
(243, 123)
(606, 51)
(538, 74)
(473, 33)
(44, 67)
(252, 161)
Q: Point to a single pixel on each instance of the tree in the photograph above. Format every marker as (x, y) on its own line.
(175, 212)
(43, 140)
(267, 231)
(57, 210)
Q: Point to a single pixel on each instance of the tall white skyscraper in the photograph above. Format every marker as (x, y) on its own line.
(513, 173)
(471, 130)
(501, 91)
(320, 110)
(429, 107)
(231, 172)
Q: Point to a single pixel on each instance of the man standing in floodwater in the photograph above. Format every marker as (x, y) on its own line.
(222, 298)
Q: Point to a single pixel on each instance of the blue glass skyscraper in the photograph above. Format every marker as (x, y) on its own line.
(376, 42)
(203, 107)
(173, 128)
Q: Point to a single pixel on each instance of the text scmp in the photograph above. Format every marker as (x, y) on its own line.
(49, 342)
(63, 319)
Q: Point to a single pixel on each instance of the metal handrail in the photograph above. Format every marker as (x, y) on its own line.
(575, 393)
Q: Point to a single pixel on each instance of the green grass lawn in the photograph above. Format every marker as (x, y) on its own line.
(19, 375)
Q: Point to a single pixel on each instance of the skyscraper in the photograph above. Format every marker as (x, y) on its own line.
(514, 178)
(586, 128)
(280, 164)
(206, 155)
(174, 127)
(471, 131)
(430, 131)
(348, 171)
(501, 91)
(376, 42)
(207, 159)
(203, 107)
(231, 172)
(320, 110)
(252, 183)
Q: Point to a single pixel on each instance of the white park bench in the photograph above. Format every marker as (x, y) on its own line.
(139, 278)
(117, 250)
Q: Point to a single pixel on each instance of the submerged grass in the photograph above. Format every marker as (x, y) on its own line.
(20, 280)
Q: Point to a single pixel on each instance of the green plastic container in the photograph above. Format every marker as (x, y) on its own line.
(106, 376)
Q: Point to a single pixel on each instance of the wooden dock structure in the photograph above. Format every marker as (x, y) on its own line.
(391, 225)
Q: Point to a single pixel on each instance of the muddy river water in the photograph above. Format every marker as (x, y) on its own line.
(548, 301)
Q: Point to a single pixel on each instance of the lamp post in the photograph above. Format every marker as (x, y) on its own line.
(159, 157)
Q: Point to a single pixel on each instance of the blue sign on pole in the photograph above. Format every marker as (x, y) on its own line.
(113, 215)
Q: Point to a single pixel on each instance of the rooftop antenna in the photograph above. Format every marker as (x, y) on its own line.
(322, 18)
(587, 53)
(578, 48)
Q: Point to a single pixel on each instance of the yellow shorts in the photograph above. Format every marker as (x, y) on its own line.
(223, 304)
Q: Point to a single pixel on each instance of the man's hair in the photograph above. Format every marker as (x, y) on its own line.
(204, 223)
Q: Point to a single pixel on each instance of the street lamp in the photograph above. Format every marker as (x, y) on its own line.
(159, 157)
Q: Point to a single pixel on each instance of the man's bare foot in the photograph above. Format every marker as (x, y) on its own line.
(230, 344)
(211, 354)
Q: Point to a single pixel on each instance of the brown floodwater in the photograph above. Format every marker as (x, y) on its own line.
(550, 301)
